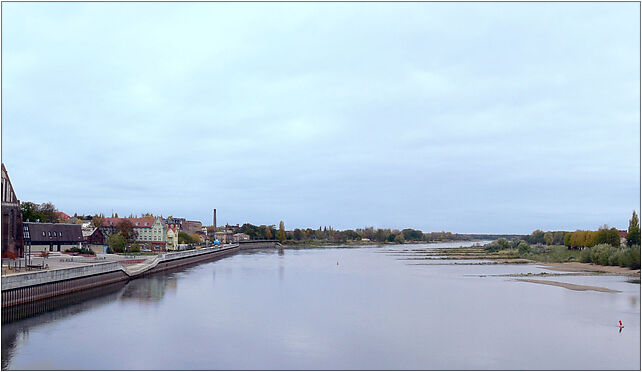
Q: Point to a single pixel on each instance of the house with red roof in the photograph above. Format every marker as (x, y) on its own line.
(62, 216)
(622, 237)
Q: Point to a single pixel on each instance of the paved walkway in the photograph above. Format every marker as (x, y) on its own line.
(57, 260)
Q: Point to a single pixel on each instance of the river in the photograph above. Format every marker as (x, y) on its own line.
(336, 308)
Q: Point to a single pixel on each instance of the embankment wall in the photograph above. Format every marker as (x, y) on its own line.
(35, 286)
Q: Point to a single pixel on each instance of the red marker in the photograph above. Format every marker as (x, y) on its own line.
(621, 324)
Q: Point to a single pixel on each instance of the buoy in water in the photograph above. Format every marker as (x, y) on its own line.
(621, 325)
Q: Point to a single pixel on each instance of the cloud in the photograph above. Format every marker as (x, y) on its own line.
(463, 117)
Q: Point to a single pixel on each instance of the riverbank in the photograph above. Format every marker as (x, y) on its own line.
(556, 259)
(358, 243)
(591, 268)
(40, 285)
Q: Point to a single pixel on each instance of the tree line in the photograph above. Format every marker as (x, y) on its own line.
(331, 235)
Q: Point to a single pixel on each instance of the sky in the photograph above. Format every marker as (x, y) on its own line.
(462, 117)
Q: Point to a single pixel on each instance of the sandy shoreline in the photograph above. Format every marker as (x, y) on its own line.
(588, 267)
(575, 287)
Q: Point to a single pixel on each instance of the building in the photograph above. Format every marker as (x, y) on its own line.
(93, 236)
(224, 237)
(192, 227)
(40, 236)
(12, 238)
(172, 238)
(622, 237)
(62, 216)
(175, 223)
(149, 231)
(239, 237)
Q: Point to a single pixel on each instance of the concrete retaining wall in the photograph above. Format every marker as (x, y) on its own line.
(41, 277)
(251, 244)
(34, 286)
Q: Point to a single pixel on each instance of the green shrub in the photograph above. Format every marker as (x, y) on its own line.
(523, 248)
(539, 249)
(601, 253)
(632, 257)
(585, 255)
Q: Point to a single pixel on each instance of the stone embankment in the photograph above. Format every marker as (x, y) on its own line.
(34, 286)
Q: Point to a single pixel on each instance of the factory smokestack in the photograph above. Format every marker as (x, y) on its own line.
(214, 222)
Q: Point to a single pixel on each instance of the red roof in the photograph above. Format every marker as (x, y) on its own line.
(622, 233)
(62, 216)
(110, 221)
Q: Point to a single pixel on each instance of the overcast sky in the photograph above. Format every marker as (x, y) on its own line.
(463, 117)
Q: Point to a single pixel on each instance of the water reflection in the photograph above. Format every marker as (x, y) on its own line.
(150, 289)
(369, 312)
(68, 306)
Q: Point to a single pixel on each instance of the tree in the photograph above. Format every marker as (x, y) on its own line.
(411, 234)
(607, 236)
(97, 221)
(117, 243)
(185, 238)
(30, 212)
(633, 236)
(380, 235)
(268, 232)
(548, 238)
(281, 234)
(567, 239)
(297, 234)
(399, 238)
(535, 237)
(49, 212)
(126, 229)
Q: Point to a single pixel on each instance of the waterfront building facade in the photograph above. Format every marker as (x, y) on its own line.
(172, 238)
(12, 238)
(225, 237)
(240, 237)
(53, 237)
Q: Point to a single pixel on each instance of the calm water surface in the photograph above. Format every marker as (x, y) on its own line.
(298, 309)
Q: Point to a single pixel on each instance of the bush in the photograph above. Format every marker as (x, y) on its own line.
(503, 244)
(498, 245)
(605, 254)
(523, 248)
(82, 250)
(631, 257)
(585, 255)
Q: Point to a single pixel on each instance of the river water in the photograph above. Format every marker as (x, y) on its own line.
(336, 308)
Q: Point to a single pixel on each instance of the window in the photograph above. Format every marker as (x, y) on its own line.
(55, 234)
(60, 234)
(137, 223)
(43, 233)
(49, 233)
